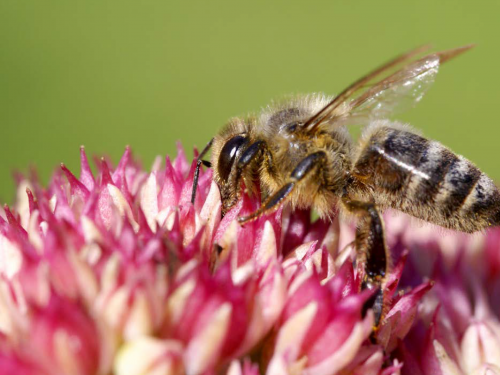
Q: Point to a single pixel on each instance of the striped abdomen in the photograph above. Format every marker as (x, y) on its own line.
(425, 179)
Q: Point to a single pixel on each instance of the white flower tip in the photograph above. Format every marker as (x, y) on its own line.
(293, 332)
(202, 351)
(150, 356)
(267, 248)
(149, 201)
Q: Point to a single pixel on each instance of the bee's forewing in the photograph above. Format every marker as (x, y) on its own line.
(393, 94)
(339, 101)
(398, 92)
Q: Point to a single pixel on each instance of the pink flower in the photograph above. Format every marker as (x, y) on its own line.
(119, 273)
(458, 329)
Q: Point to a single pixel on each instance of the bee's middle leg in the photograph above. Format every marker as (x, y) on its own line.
(372, 252)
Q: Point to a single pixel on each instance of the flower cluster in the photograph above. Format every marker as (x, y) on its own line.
(119, 273)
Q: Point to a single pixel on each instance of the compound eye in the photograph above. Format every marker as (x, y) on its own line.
(292, 127)
(228, 155)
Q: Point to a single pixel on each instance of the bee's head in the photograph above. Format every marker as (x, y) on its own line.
(227, 149)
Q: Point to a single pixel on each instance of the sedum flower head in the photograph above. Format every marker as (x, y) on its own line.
(117, 272)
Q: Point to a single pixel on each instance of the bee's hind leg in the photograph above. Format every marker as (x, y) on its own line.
(372, 252)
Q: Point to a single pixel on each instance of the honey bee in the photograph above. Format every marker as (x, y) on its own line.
(301, 153)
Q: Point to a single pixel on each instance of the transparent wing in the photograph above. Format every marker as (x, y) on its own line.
(338, 103)
(395, 93)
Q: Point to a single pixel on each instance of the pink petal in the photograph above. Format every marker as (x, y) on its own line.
(181, 165)
(119, 173)
(171, 189)
(86, 176)
(343, 354)
(77, 187)
(401, 316)
(66, 336)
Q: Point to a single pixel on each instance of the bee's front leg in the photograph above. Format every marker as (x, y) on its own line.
(312, 163)
(372, 252)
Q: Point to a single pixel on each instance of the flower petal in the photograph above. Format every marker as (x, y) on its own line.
(201, 353)
(149, 356)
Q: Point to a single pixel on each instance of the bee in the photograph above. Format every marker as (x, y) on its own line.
(300, 152)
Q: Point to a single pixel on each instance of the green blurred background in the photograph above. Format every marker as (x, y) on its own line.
(147, 73)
